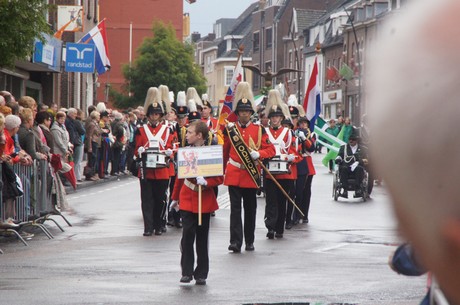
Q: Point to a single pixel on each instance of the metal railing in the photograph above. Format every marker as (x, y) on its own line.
(38, 202)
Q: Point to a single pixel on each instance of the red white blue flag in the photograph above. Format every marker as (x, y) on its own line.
(312, 100)
(226, 112)
(98, 37)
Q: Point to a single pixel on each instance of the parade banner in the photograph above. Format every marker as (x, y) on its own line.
(205, 161)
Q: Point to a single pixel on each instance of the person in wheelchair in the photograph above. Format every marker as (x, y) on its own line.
(352, 160)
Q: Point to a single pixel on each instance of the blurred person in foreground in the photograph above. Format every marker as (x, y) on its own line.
(421, 165)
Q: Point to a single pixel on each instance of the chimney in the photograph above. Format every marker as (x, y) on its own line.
(211, 36)
(196, 36)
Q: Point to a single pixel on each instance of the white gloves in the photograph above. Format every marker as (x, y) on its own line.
(168, 152)
(290, 158)
(140, 150)
(230, 125)
(301, 135)
(174, 205)
(255, 155)
(201, 181)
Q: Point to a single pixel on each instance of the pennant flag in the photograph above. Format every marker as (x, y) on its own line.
(346, 72)
(226, 111)
(312, 101)
(98, 37)
(332, 74)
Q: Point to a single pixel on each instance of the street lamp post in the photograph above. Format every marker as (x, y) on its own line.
(358, 96)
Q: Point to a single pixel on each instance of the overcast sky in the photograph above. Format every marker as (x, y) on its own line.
(204, 13)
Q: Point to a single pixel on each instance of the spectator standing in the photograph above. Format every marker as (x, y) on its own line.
(332, 130)
(118, 132)
(348, 129)
(76, 131)
(92, 145)
(131, 143)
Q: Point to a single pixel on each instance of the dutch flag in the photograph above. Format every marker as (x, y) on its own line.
(98, 37)
(312, 100)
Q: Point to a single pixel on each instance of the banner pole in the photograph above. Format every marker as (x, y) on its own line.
(199, 206)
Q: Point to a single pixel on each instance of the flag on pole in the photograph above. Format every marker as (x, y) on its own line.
(312, 100)
(333, 144)
(226, 111)
(98, 37)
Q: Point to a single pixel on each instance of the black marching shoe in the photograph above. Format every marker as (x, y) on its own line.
(270, 234)
(200, 282)
(279, 235)
(289, 226)
(233, 247)
(158, 232)
(148, 233)
(250, 247)
(186, 279)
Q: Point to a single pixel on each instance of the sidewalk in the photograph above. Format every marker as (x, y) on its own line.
(88, 183)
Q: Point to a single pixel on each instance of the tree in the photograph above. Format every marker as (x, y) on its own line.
(20, 23)
(162, 59)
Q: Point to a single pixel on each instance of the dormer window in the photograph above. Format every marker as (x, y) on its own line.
(233, 41)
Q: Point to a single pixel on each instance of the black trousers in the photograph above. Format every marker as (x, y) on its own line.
(173, 215)
(305, 195)
(116, 157)
(153, 201)
(346, 173)
(275, 207)
(191, 231)
(294, 196)
(250, 207)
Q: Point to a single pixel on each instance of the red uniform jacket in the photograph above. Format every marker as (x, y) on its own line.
(188, 198)
(311, 168)
(289, 143)
(141, 139)
(236, 176)
(212, 123)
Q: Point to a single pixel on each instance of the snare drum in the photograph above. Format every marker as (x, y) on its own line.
(154, 159)
(278, 166)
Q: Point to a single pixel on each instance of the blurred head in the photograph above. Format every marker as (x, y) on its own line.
(60, 117)
(72, 113)
(12, 123)
(197, 132)
(27, 117)
(422, 167)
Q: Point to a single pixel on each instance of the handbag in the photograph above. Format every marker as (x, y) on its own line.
(12, 185)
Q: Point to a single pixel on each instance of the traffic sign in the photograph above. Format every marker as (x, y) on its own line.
(80, 57)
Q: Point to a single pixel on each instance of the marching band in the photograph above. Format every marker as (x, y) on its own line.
(275, 155)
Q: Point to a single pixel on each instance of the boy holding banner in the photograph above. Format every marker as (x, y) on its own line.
(186, 193)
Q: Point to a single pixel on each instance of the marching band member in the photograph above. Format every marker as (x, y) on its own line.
(305, 170)
(186, 194)
(181, 129)
(279, 166)
(213, 125)
(240, 156)
(167, 97)
(206, 116)
(156, 136)
(295, 110)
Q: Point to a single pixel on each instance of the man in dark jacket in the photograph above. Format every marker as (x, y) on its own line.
(352, 160)
(76, 132)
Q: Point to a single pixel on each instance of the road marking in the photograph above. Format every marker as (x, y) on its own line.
(223, 201)
(78, 196)
(326, 249)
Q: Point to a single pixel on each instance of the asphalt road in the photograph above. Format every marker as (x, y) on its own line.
(339, 257)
